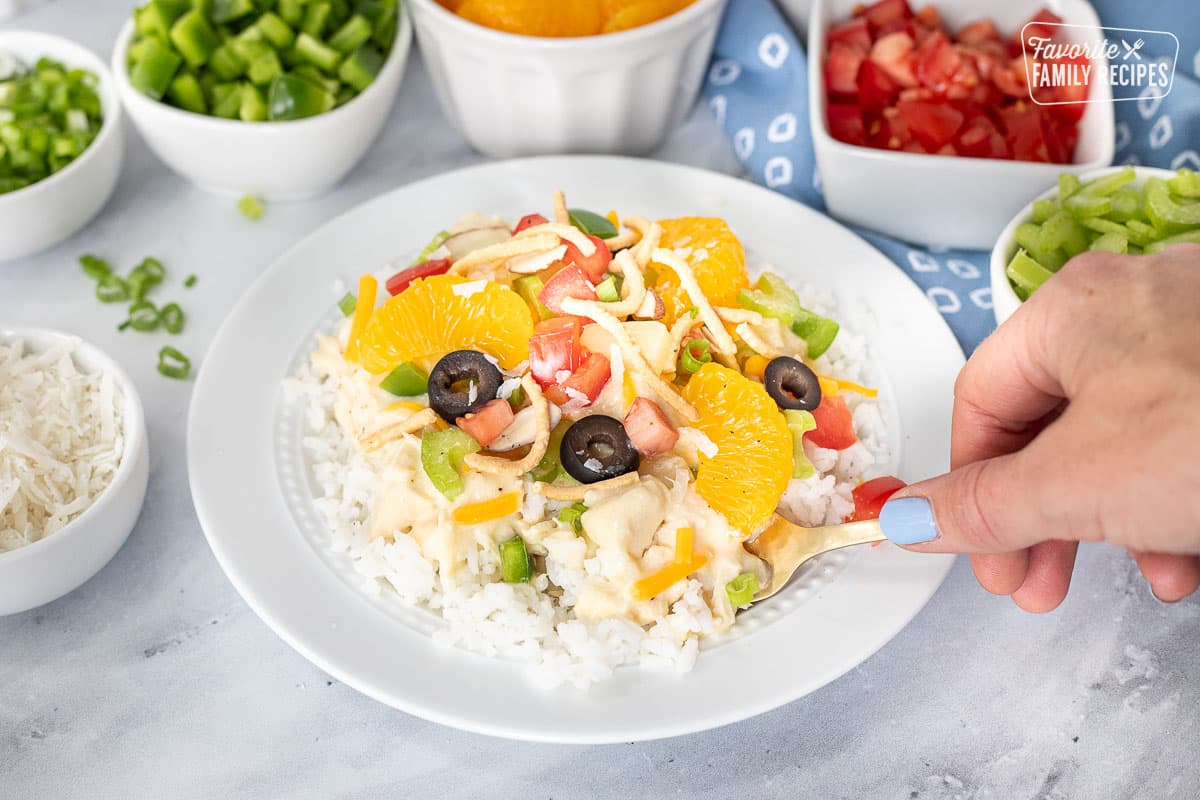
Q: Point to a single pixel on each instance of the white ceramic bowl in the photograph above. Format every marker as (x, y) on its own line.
(943, 200)
(45, 213)
(272, 160)
(514, 95)
(1004, 300)
(46, 570)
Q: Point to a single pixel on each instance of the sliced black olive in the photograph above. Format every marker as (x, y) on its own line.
(792, 384)
(597, 448)
(451, 379)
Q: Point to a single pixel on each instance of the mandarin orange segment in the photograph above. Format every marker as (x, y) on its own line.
(536, 17)
(748, 474)
(715, 255)
(428, 320)
(634, 15)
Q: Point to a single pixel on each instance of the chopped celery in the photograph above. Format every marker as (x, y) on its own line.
(800, 423)
(406, 380)
(1065, 232)
(1044, 209)
(1165, 212)
(606, 290)
(1180, 238)
(1026, 273)
(442, 454)
(1068, 185)
(1126, 204)
(591, 223)
(741, 589)
(1101, 225)
(1110, 243)
(1140, 233)
(1185, 184)
(515, 564)
(437, 241)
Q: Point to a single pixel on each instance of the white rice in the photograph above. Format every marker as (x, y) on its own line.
(522, 622)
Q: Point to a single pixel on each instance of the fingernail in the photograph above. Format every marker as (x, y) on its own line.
(908, 520)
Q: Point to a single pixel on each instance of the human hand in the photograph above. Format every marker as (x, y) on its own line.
(1077, 420)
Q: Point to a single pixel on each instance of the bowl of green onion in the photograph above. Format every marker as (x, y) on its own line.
(277, 100)
(60, 140)
(1131, 210)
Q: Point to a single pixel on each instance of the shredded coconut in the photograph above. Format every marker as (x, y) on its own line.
(469, 288)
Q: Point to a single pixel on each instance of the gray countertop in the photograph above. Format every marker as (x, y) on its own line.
(155, 679)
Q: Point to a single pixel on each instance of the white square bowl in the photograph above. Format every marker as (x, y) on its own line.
(948, 201)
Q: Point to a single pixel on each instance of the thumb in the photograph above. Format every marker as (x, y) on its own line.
(988, 506)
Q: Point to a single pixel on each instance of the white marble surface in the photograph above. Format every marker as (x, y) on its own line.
(156, 680)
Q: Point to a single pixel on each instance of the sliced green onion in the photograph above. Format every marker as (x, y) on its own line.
(347, 304)
(94, 267)
(143, 316)
(112, 289)
(190, 281)
(591, 223)
(572, 516)
(173, 318)
(437, 241)
(406, 380)
(174, 364)
(250, 208)
(695, 354)
(741, 590)
(607, 290)
(515, 564)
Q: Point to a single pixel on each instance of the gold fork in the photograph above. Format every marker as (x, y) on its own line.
(785, 546)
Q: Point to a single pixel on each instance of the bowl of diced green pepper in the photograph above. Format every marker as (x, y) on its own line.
(60, 140)
(1131, 210)
(273, 98)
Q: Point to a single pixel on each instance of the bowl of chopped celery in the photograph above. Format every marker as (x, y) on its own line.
(1133, 210)
(278, 103)
(60, 140)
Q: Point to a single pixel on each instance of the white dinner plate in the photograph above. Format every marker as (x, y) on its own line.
(253, 499)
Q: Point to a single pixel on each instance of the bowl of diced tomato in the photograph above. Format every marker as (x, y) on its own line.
(925, 124)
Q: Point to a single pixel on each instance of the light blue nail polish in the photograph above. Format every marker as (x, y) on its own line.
(908, 520)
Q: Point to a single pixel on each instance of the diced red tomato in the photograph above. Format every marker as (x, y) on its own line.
(928, 17)
(979, 138)
(402, 279)
(1023, 127)
(853, 34)
(978, 32)
(554, 348)
(876, 87)
(649, 429)
(594, 266)
(937, 62)
(1040, 25)
(931, 124)
(893, 54)
(528, 221)
(585, 383)
(885, 12)
(486, 424)
(570, 281)
(870, 496)
(835, 424)
(841, 70)
(846, 123)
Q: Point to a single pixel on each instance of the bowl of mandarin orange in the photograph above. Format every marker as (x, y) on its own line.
(525, 77)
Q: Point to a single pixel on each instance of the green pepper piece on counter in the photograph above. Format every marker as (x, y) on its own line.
(250, 208)
(293, 97)
(354, 33)
(799, 423)
(155, 68)
(194, 38)
(361, 67)
(442, 454)
(515, 564)
(406, 380)
(185, 91)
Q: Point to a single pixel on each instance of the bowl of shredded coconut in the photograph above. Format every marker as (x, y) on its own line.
(73, 464)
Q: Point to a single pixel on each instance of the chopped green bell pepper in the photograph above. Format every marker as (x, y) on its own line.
(276, 31)
(154, 70)
(529, 287)
(406, 380)
(185, 91)
(515, 564)
(591, 223)
(254, 105)
(293, 97)
(194, 38)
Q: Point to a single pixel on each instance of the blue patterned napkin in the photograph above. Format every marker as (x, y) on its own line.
(758, 89)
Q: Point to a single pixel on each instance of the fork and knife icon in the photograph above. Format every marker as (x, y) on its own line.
(1131, 51)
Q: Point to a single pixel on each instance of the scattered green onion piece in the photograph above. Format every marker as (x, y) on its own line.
(174, 364)
(93, 267)
(695, 354)
(437, 241)
(572, 516)
(591, 223)
(799, 423)
(173, 318)
(112, 289)
(347, 304)
(741, 589)
(406, 380)
(607, 290)
(143, 316)
(515, 564)
(190, 281)
(250, 208)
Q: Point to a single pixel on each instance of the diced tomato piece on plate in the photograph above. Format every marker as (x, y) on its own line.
(404, 278)
(933, 124)
(583, 386)
(486, 424)
(853, 34)
(594, 266)
(570, 281)
(870, 496)
(835, 424)
(841, 70)
(649, 429)
(528, 221)
(554, 348)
